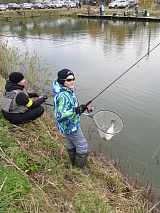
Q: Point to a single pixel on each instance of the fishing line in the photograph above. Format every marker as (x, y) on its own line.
(157, 161)
(122, 74)
(83, 89)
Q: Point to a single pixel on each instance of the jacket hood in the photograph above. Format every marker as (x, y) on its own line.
(12, 86)
(57, 87)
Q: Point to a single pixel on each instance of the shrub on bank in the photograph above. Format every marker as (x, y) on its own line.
(38, 77)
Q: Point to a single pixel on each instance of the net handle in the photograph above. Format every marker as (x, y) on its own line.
(86, 114)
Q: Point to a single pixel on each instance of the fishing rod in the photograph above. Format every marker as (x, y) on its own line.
(48, 104)
(122, 75)
(88, 109)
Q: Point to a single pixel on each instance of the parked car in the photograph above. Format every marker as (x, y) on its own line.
(57, 4)
(131, 3)
(32, 5)
(72, 4)
(62, 2)
(66, 3)
(3, 7)
(94, 3)
(26, 6)
(13, 6)
(38, 5)
(118, 4)
(48, 4)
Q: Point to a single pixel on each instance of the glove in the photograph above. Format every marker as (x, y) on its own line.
(35, 95)
(80, 109)
(45, 97)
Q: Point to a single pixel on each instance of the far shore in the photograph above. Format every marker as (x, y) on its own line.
(35, 13)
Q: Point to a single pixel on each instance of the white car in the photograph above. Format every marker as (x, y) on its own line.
(66, 3)
(48, 4)
(57, 4)
(3, 7)
(118, 4)
(38, 5)
(131, 3)
(13, 6)
(62, 2)
(26, 6)
(72, 4)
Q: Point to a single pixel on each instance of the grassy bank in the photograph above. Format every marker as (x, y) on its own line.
(23, 14)
(36, 175)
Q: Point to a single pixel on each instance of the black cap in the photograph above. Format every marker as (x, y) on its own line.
(63, 74)
(16, 77)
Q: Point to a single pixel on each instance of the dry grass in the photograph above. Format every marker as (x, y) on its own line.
(56, 186)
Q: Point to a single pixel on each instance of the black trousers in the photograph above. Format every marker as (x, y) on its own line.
(19, 118)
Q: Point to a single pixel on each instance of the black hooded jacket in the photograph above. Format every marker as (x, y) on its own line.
(22, 98)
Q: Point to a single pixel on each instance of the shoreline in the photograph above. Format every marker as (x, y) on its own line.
(111, 14)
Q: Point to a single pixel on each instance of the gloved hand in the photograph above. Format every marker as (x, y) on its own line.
(35, 95)
(80, 109)
(45, 97)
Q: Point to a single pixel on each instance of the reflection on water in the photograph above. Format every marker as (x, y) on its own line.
(99, 51)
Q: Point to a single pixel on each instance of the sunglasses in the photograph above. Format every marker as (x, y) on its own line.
(68, 79)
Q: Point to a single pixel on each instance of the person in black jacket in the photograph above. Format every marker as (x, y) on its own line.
(16, 105)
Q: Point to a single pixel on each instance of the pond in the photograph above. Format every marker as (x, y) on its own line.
(98, 52)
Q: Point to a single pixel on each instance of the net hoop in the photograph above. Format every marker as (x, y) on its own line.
(108, 123)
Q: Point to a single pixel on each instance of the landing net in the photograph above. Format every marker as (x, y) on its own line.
(108, 124)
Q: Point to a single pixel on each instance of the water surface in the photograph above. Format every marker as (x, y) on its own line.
(98, 52)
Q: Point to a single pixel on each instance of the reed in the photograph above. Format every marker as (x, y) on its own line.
(39, 78)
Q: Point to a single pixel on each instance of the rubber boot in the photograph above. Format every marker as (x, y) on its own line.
(81, 161)
(72, 155)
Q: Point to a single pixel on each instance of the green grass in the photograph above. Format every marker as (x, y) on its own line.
(13, 185)
(93, 202)
(30, 152)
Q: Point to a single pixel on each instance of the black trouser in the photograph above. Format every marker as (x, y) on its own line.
(30, 115)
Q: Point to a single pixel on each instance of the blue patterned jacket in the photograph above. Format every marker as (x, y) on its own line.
(65, 102)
